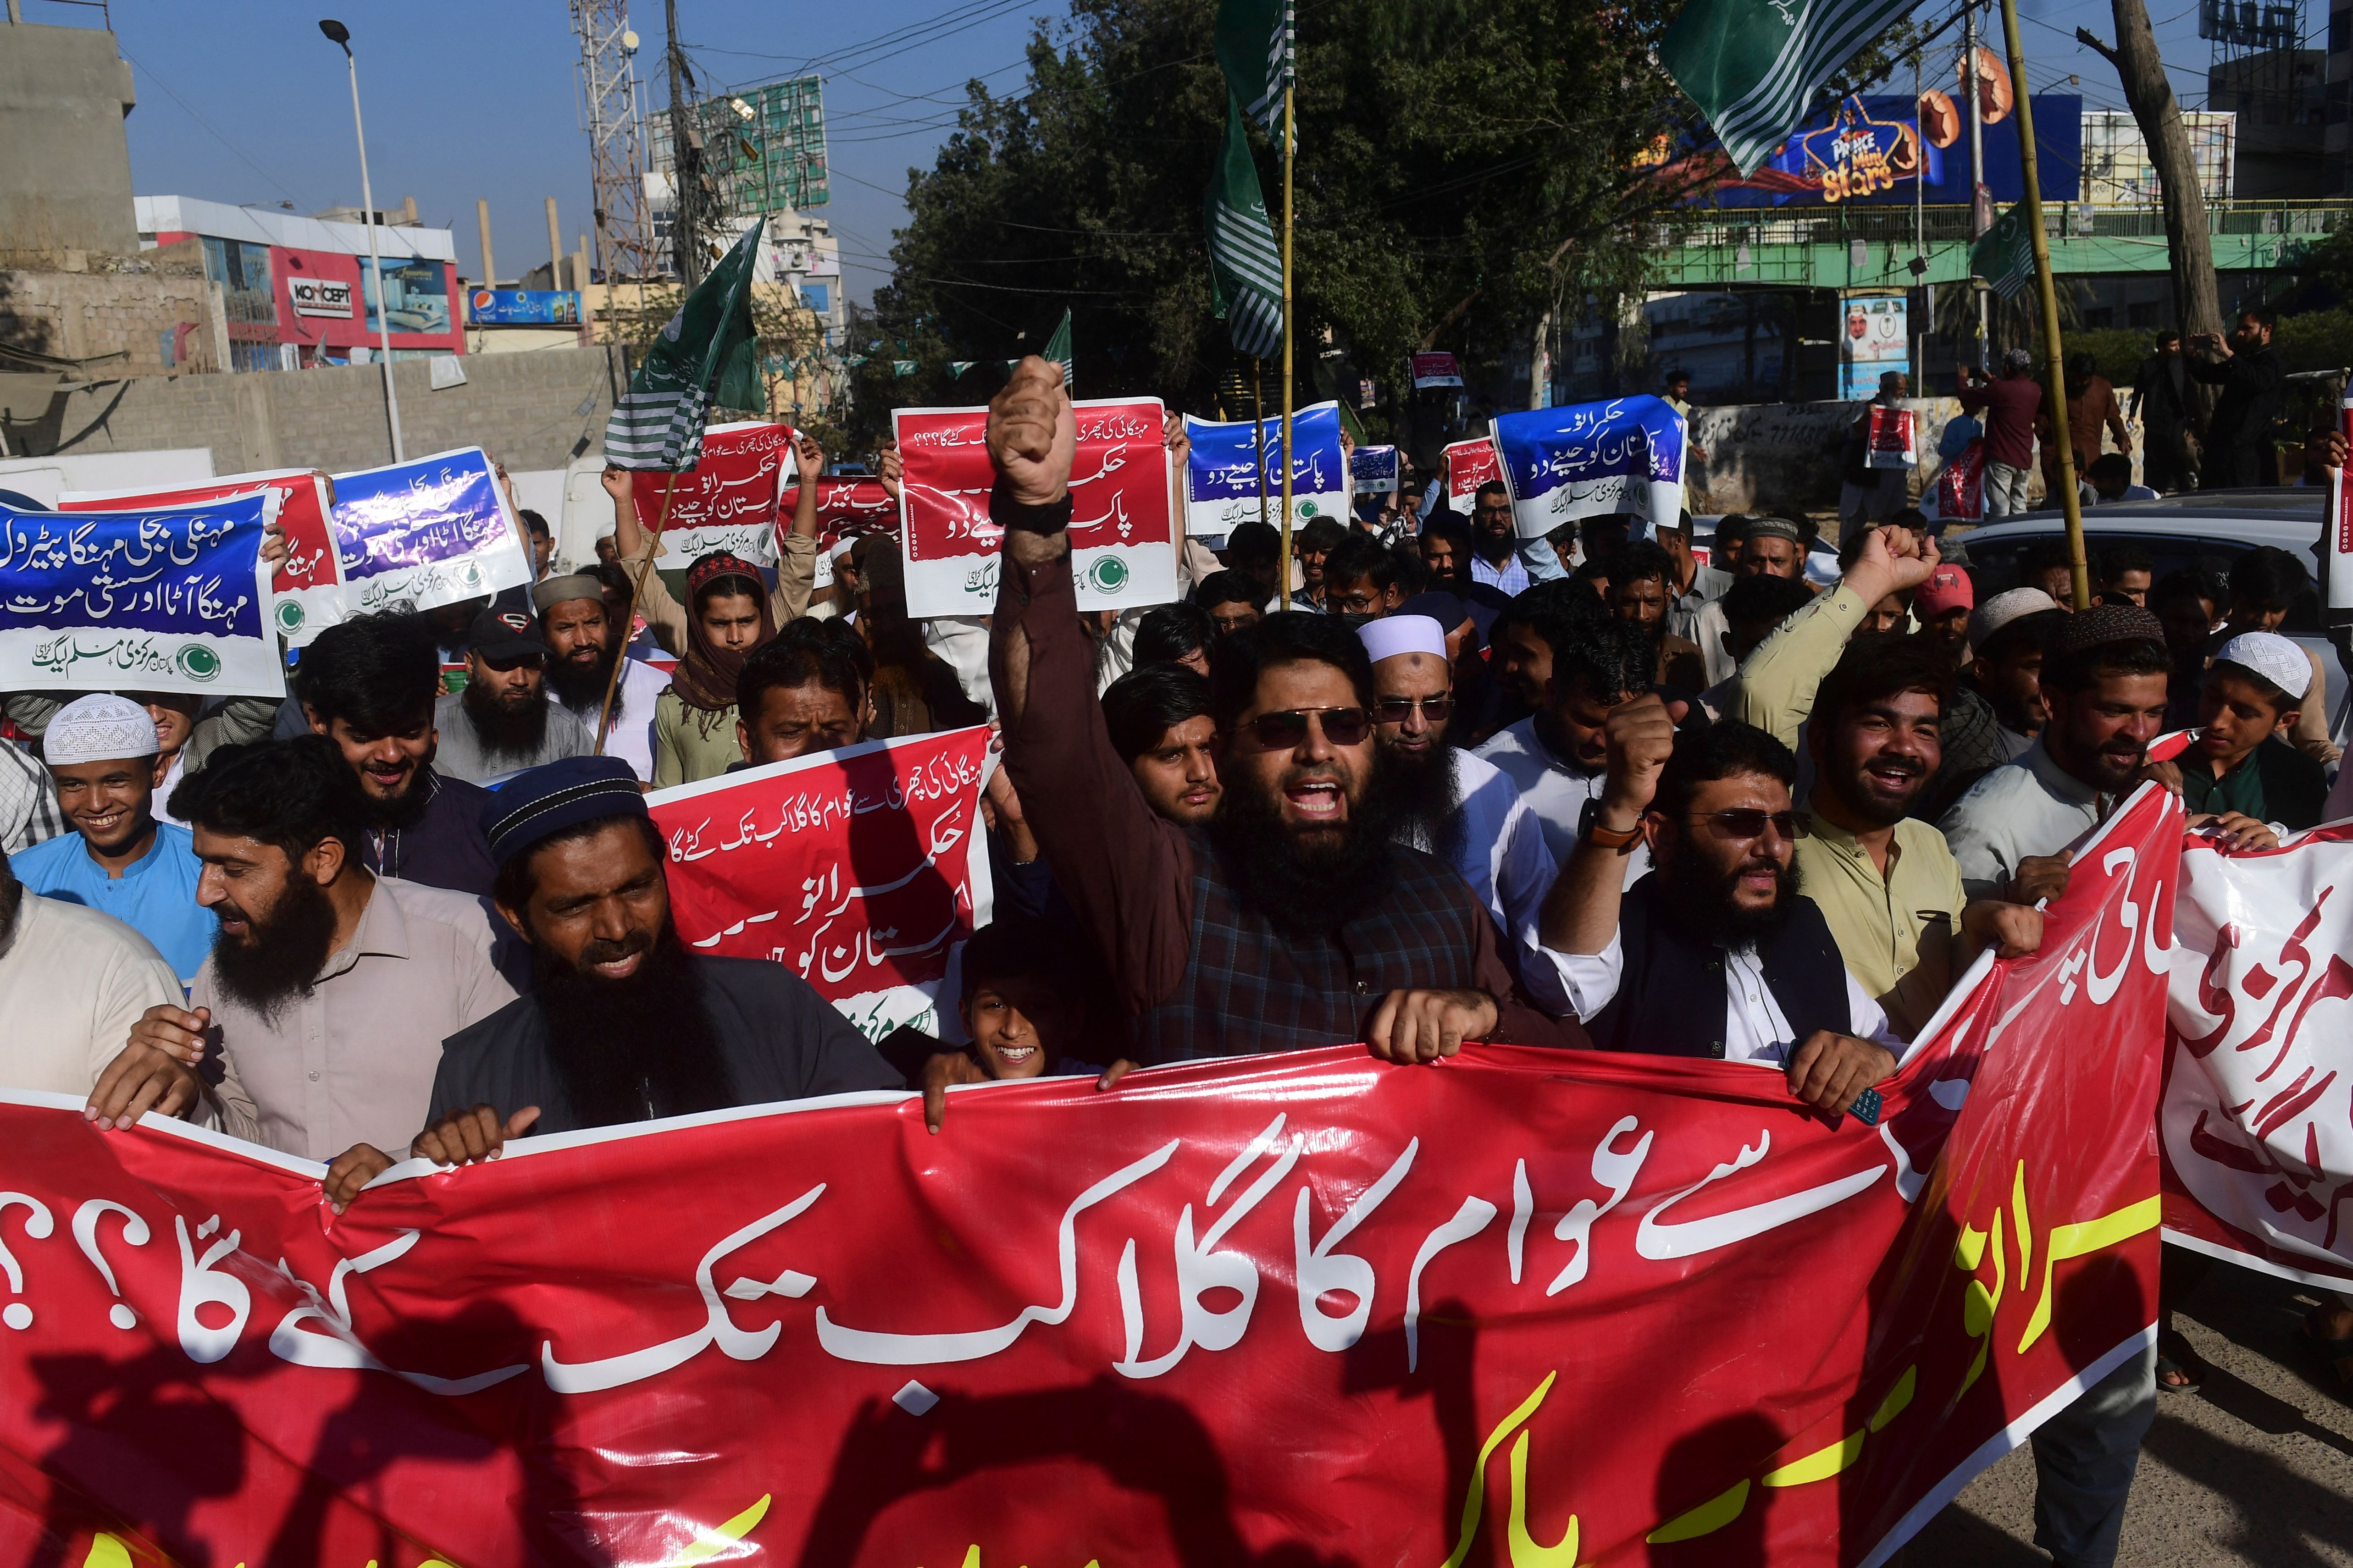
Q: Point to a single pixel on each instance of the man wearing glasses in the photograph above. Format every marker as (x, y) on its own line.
(1494, 541)
(1291, 920)
(1720, 912)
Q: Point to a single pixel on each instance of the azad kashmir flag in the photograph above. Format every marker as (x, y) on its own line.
(1254, 46)
(1058, 349)
(708, 345)
(1754, 66)
(1522, 1306)
(1245, 264)
(2004, 255)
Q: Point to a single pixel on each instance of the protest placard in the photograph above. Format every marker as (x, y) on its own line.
(1375, 470)
(859, 870)
(1592, 459)
(726, 501)
(427, 533)
(1893, 438)
(1960, 485)
(1122, 536)
(1221, 472)
(1469, 465)
(1434, 370)
(151, 599)
(307, 588)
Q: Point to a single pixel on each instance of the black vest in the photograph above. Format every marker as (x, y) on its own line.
(1671, 998)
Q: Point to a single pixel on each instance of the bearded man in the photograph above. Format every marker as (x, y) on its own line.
(503, 722)
(623, 1023)
(576, 622)
(1293, 919)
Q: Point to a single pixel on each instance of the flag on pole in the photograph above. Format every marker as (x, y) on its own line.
(1254, 46)
(1058, 349)
(707, 351)
(2004, 255)
(1245, 266)
(1754, 65)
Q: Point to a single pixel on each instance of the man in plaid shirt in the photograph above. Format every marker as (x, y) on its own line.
(28, 801)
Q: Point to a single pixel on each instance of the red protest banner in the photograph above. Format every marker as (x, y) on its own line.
(1892, 439)
(1960, 485)
(1123, 531)
(844, 506)
(1522, 1305)
(306, 592)
(2257, 1124)
(858, 869)
(726, 501)
(1469, 465)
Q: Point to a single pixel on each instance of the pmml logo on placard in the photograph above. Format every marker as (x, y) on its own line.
(1109, 575)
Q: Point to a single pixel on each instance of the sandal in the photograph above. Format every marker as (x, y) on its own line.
(2337, 1351)
(2176, 1360)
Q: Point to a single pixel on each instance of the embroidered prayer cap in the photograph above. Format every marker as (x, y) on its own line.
(719, 563)
(841, 547)
(2003, 608)
(2100, 626)
(1947, 588)
(541, 802)
(1393, 634)
(1775, 528)
(99, 728)
(2274, 657)
(554, 590)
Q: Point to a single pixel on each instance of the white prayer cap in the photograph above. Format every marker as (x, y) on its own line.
(2276, 658)
(842, 547)
(1393, 634)
(99, 728)
(2003, 608)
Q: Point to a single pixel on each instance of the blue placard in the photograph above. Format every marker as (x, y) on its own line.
(1590, 460)
(171, 599)
(425, 533)
(1221, 472)
(1376, 470)
(524, 306)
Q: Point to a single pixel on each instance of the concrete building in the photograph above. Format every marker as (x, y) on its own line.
(65, 165)
(2279, 98)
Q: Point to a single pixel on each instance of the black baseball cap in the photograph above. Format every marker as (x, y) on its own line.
(505, 634)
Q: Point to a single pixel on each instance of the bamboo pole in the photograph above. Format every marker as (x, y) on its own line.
(2054, 374)
(1282, 562)
(613, 677)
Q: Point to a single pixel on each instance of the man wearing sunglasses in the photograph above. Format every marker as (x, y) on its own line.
(1456, 805)
(1719, 913)
(1291, 920)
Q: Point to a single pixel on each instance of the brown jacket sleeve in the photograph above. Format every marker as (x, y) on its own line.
(1126, 872)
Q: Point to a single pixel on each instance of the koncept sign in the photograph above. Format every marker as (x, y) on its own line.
(320, 297)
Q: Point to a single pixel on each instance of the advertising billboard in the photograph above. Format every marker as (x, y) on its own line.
(417, 292)
(524, 306)
(1868, 149)
(1874, 339)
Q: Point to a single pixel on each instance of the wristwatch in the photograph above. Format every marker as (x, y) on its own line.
(1589, 829)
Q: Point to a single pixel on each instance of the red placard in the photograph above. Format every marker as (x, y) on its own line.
(1960, 485)
(1893, 443)
(1469, 465)
(726, 501)
(307, 588)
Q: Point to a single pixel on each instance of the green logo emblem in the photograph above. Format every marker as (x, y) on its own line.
(1306, 509)
(1108, 575)
(291, 617)
(198, 662)
(471, 572)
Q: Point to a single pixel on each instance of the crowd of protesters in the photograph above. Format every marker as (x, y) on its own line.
(1615, 789)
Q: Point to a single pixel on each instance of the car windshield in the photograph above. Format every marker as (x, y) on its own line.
(2001, 563)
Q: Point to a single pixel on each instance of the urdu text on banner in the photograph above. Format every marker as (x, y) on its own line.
(726, 501)
(1221, 472)
(427, 533)
(154, 599)
(1592, 459)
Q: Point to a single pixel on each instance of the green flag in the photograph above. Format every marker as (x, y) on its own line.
(1254, 46)
(708, 351)
(1245, 266)
(2004, 255)
(1058, 349)
(1754, 65)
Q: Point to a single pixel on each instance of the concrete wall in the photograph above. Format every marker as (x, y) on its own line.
(119, 315)
(527, 410)
(65, 165)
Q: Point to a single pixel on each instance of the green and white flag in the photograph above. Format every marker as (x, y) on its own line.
(1754, 65)
(1254, 44)
(1058, 349)
(2004, 255)
(708, 351)
(1245, 266)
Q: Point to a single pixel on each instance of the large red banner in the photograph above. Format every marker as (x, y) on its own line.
(1123, 524)
(1520, 1307)
(859, 870)
(727, 501)
(307, 590)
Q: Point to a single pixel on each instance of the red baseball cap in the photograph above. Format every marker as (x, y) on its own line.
(1947, 588)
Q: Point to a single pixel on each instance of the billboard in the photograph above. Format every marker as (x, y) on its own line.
(320, 297)
(1868, 150)
(417, 292)
(1874, 339)
(524, 306)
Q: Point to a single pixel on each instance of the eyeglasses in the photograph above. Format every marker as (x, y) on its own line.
(1286, 731)
(1749, 822)
(1398, 709)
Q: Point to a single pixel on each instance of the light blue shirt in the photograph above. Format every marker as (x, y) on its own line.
(156, 895)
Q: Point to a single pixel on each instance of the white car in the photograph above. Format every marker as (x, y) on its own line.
(2206, 529)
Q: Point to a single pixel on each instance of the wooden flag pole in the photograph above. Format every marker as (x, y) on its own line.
(1282, 565)
(613, 677)
(1257, 426)
(2054, 374)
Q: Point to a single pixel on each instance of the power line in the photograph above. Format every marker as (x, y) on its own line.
(283, 188)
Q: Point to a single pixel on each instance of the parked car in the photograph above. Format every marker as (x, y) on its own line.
(2205, 529)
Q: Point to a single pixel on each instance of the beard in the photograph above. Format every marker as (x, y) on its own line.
(581, 687)
(1308, 882)
(1697, 901)
(627, 1050)
(1421, 788)
(517, 728)
(282, 951)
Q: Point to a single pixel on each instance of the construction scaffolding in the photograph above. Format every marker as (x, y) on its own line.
(762, 148)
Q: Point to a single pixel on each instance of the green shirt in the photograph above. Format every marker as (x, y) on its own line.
(2273, 783)
(1895, 932)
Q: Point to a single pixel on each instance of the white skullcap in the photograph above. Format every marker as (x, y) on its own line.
(842, 547)
(2003, 608)
(1393, 634)
(100, 727)
(2276, 658)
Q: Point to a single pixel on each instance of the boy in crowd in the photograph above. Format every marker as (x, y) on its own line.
(2237, 764)
(1024, 1017)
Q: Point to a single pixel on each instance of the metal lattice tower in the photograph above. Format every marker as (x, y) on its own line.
(614, 118)
(2254, 71)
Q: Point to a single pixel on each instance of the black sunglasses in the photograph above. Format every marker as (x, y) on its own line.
(1749, 822)
(1285, 731)
(1398, 709)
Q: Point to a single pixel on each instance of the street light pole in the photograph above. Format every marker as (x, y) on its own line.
(340, 35)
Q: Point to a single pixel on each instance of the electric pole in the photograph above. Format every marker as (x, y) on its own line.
(686, 167)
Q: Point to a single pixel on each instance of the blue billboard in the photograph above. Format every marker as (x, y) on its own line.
(1867, 149)
(524, 306)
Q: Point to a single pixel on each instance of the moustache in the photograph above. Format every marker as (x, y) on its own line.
(600, 950)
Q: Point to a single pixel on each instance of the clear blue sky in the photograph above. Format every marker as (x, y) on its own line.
(247, 102)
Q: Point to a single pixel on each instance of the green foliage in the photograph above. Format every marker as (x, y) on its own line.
(2316, 340)
(2120, 351)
